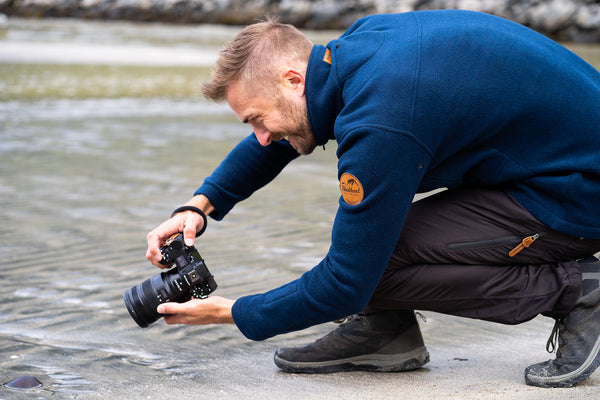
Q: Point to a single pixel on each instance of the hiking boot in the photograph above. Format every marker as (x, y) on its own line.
(578, 353)
(384, 341)
(590, 274)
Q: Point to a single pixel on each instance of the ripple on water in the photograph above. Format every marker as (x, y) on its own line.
(88, 170)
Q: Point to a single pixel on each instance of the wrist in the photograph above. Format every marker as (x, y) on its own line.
(226, 314)
(202, 202)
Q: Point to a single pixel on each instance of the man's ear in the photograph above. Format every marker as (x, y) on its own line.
(294, 80)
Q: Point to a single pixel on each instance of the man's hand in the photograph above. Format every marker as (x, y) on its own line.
(187, 222)
(212, 310)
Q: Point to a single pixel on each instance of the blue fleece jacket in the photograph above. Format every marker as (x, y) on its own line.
(420, 101)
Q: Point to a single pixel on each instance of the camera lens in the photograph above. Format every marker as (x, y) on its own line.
(141, 300)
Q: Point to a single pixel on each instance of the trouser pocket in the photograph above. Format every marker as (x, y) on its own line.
(478, 244)
(515, 243)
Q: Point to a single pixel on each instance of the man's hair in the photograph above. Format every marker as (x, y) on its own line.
(254, 56)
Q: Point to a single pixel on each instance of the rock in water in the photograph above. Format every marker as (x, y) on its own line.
(24, 382)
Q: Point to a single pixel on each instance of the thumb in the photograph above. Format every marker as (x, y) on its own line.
(168, 308)
(188, 235)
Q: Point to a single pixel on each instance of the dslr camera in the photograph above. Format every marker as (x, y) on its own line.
(189, 278)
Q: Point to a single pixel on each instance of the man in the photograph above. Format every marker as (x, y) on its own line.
(503, 117)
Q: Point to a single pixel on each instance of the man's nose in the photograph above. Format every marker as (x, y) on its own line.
(264, 136)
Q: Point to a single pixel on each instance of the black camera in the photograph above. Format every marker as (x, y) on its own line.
(190, 278)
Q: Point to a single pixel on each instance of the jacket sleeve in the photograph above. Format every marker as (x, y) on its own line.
(247, 168)
(388, 166)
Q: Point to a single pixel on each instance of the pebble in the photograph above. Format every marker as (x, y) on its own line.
(24, 382)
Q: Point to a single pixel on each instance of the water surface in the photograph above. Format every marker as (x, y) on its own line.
(104, 133)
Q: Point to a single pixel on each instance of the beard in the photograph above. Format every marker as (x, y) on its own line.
(298, 130)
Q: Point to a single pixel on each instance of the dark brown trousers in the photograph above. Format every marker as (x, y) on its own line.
(453, 257)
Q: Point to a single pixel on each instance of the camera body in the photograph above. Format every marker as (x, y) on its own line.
(189, 278)
(195, 280)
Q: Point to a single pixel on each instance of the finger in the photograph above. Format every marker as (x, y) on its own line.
(189, 234)
(169, 308)
(149, 256)
(171, 319)
(174, 313)
(156, 238)
(153, 254)
(193, 224)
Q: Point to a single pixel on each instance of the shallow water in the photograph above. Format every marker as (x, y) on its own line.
(97, 148)
(103, 133)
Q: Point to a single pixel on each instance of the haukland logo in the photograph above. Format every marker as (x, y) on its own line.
(351, 188)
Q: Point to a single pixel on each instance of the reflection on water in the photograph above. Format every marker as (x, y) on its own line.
(95, 151)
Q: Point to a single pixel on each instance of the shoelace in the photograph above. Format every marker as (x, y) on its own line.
(551, 345)
(344, 321)
(349, 318)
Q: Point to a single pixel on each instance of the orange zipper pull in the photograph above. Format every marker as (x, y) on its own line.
(524, 243)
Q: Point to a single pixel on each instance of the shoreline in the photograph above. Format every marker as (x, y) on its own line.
(562, 20)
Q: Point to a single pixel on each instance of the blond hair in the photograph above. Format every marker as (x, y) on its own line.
(254, 56)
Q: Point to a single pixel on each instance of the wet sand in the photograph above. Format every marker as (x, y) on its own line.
(469, 360)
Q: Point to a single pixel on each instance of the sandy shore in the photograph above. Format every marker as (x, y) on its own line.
(469, 360)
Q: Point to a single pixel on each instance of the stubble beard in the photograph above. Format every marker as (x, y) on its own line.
(300, 134)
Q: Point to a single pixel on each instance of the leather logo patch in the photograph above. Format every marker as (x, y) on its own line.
(327, 56)
(351, 188)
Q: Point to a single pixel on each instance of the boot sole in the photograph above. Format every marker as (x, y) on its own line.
(569, 379)
(370, 362)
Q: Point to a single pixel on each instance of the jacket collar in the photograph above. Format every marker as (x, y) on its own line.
(322, 97)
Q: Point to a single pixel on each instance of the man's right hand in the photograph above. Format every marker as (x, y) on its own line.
(186, 222)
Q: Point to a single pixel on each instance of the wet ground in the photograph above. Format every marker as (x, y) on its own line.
(469, 360)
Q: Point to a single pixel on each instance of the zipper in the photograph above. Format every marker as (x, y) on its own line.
(485, 243)
(521, 243)
(524, 244)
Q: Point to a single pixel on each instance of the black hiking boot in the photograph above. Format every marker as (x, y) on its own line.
(578, 335)
(383, 341)
(590, 274)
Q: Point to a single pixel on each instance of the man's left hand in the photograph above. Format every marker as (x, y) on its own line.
(212, 310)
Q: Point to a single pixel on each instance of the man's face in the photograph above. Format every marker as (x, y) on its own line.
(281, 116)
